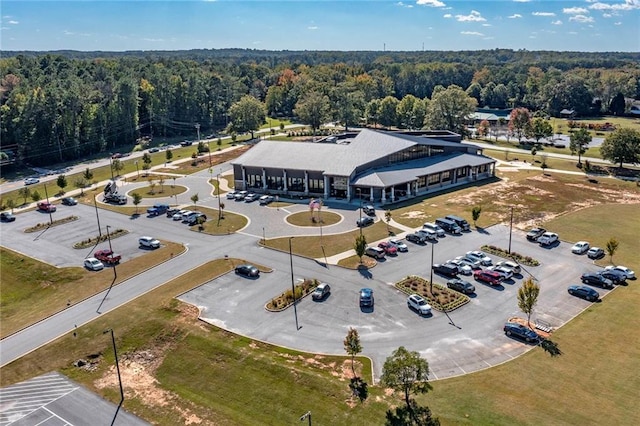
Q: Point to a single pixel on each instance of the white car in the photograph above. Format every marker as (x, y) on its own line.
(580, 247)
(515, 268)
(631, 275)
(416, 302)
(231, 195)
(251, 197)
(479, 256)
(31, 181)
(265, 199)
(148, 242)
(186, 214)
(473, 263)
(93, 264)
(507, 273)
(463, 267)
(239, 196)
(430, 226)
(399, 245)
(548, 238)
(178, 215)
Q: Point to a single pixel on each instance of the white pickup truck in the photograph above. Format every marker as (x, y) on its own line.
(548, 238)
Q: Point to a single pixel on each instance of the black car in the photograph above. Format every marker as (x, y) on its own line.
(366, 297)
(614, 276)
(520, 331)
(535, 233)
(584, 292)
(7, 217)
(415, 238)
(461, 285)
(194, 219)
(247, 271)
(364, 221)
(447, 269)
(171, 212)
(596, 279)
(69, 201)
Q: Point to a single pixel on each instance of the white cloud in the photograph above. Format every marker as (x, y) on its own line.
(4, 28)
(515, 16)
(430, 3)
(607, 15)
(573, 33)
(626, 5)
(575, 10)
(618, 23)
(408, 6)
(486, 25)
(558, 22)
(543, 14)
(581, 18)
(312, 27)
(154, 40)
(474, 16)
(522, 1)
(13, 22)
(447, 15)
(473, 33)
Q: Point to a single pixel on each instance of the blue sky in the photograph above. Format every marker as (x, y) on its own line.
(584, 25)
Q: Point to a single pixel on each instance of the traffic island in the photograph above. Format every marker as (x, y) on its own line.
(284, 300)
(439, 297)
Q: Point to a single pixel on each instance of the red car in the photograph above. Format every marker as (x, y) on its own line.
(107, 256)
(46, 207)
(388, 248)
(489, 277)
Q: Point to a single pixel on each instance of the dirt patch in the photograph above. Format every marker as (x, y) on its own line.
(415, 214)
(523, 321)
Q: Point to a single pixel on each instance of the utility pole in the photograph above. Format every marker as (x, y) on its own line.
(431, 272)
(115, 353)
(293, 288)
(510, 229)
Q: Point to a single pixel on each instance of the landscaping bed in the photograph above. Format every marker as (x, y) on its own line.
(442, 298)
(524, 260)
(92, 242)
(284, 300)
(42, 226)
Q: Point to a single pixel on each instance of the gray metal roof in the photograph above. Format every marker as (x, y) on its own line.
(410, 171)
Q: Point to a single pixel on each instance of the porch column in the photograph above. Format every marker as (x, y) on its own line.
(284, 185)
(371, 194)
(264, 180)
(384, 195)
(306, 182)
(393, 194)
(326, 186)
(440, 178)
(493, 169)
(348, 192)
(409, 189)
(244, 178)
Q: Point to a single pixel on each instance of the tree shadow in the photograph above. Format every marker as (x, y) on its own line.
(482, 230)
(414, 414)
(550, 347)
(364, 271)
(359, 388)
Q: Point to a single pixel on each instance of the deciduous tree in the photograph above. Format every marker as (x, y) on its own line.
(407, 372)
(313, 109)
(360, 246)
(61, 181)
(540, 128)
(528, 297)
(137, 198)
(352, 346)
(622, 146)
(449, 109)
(195, 198)
(475, 214)
(578, 143)
(520, 122)
(247, 115)
(612, 247)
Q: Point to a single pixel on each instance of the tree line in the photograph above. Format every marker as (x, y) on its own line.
(65, 106)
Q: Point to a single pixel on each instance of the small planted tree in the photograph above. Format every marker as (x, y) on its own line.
(612, 247)
(137, 198)
(407, 372)
(35, 196)
(528, 297)
(152, 186)
(11, 204)
(475, 214)
(80, 183)
(578, 143)
(195, 198)
(161, 183)
(88, 175)
(25, 193)
(168, 155)
(352, 346)
(387, 218)
(219, 143)
(360, 246)
(62, 183)
(117, 166)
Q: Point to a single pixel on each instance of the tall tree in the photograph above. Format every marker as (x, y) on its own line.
(622, 146)
(407, 372)
(388, 111)
(449, 109)
(612, 247)
(372, 112)
(360, 246)
(578, 143)
(313, 109)
(352, 346)
(61, 181)
(540, 128)
(247, 115)
(617, 105)
(520, 122)
(528, 297)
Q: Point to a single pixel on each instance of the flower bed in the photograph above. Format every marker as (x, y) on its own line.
(41, 226)
(284, 300)
(91, 242)
(442, 299)
(525, 260)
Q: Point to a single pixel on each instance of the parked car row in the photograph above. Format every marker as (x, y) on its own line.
(249, 197)
(542, 237)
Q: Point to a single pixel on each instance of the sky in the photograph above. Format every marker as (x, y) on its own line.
(88, 25)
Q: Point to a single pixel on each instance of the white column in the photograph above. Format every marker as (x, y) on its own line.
(264, 180)
(409, 189)
(348, 191)
(284, 186)
(393, 194)
(371, 194)
(306, 182)
(244, 178)
(326, 186)
(384, 195)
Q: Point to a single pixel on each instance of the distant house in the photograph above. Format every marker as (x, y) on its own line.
(568, 113)
(492, 115)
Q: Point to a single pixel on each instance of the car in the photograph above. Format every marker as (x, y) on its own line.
(489, 277)
(417, 303)
(251, 197)
(364, 221)
(616, 277)
(46, 206)
(473, 263)
(446, 269)
(462, 223)
(430, 226)
(399, 245)
(247, 270)
(416, 238)
(186, 214)
(535, 233)
(548, 238)
(321, 291)
(193, 219)
(107, 256)
(463, 268)
(449, 226)
(93, 264)
(179, 214)
(157, 209)
(172, 211)
(239, 195)
(507, 273)
(186, 143)
(461, 285)
(631, 275)
(596, 279)
(7, 217)
(148, 242)
(389, 249)
(375, 252)
(595, 253)
(520, 331)
(154, 149)
(584, 292)
(479, 256)
(116, 155)
(231, 195)
(515, 268)
(369, 210)
(265, 199)
(580, 247)
(69, 201)
(31, 181)
(427, 234)
(366, 297)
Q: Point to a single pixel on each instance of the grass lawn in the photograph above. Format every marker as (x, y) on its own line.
(32, 290)
(230, 223)
(159, 191)
(353, 262)
(333, 243)
(304, 219)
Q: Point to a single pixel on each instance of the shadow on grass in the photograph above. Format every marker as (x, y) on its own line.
(359, 388)
(414, 414)
(550, 347)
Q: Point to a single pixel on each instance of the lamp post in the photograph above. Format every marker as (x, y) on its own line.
(97, 217)
(431, 272)
(115, 353)
(46, 194)
(115, 273)
(111, 167)
(137, 169)
(360, 197)
(306, 415)
(510, 229)
(293, 288)
(219, 204)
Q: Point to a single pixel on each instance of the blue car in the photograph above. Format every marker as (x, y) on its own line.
(366, 298)
(157, 209)
(520, 331)
(584, 292)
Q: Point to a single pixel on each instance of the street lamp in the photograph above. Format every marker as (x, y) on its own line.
(306, 415)
(431, 272)
(510, 229)
(115, 352)
(219, 204)
(137, 169)
(111, 167)
(115, 273)
(360, 197)
(293, 288)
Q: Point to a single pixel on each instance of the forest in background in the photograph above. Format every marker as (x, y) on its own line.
(65, 105)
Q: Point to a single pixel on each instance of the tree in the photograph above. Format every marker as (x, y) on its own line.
(11, 204)
(475, 214)
(352, 346)
(388, 111)
(61, 182)
(35, 196)
(387, 218)
(137, 198)
(483, 128)
(617, 105)
(195, 199)
(88, 175)
(168, 155)
(313, 109)
(372, 112)
(578, 143)
(520, 122)
(449, 109)
(412, 415)
(622, 146)
(247, 115)
(540, 128)
(80, 183)
(360, 246)
(406, 372)
(25, 193)
(219, 143)
(612, 247)
(161, 183)
(528, 297)
(146, 158)
(117, 166)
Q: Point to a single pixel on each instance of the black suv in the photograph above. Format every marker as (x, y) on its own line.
(616, 277)
(447, 269)
(7, 217)
(596, 279)
(535, 233)
(364, 221)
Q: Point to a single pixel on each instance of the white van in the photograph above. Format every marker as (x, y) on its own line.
(430, 226)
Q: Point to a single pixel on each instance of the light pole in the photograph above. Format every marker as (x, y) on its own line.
(264, 239)
(97, 217)
(47, 196)
(510, 229)
(115, 353)
(111, 167)
(360, 221)
(137, 169)
(306, 415)
(115, 274)
(219, 205)
(431, 272)
(293, 288)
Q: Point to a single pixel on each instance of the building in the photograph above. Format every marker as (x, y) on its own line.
(372, 165)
